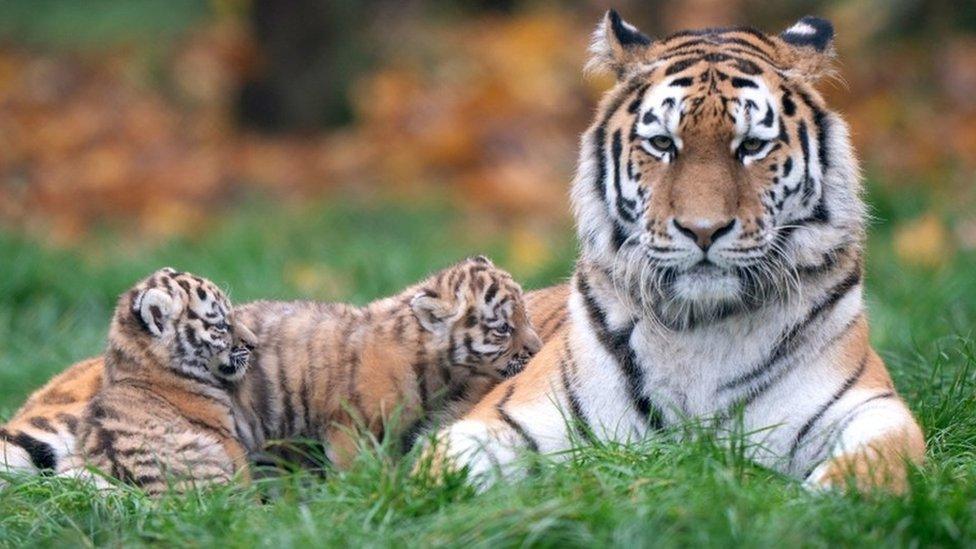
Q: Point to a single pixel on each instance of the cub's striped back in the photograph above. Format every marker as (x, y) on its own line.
(325, 371)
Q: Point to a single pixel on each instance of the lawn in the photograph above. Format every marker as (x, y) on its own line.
(55, 304)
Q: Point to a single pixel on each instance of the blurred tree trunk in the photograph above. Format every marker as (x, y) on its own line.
(309, 52)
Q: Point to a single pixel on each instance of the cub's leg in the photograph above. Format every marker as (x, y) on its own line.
(156, 460)
(342, 444)
(126, 438)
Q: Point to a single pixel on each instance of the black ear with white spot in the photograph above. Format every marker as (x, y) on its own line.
(808, 49)
(156, 309)
(435, 314)
(616, 44)
(810, 32)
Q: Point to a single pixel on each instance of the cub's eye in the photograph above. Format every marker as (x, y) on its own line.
(502, 330)
(662, 143)
(221, 327)
(751, 145)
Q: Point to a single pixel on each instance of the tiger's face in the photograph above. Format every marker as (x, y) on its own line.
(477, 311)
(714, 172)
(189, 321)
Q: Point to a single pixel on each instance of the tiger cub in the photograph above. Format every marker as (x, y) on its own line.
(163, 417)
(432, 351)
(327, 372)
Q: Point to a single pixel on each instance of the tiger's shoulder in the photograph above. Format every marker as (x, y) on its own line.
(548, 309)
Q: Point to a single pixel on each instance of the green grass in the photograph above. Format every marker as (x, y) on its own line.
(54, 306)
(70, 24)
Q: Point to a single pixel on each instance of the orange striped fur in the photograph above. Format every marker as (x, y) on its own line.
(718, 207)
(399, 366)
(162, 419)
(327, 372)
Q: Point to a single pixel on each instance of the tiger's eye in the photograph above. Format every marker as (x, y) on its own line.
(662, 142)
(752, 145)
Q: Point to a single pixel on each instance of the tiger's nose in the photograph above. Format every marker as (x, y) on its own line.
(704, 231)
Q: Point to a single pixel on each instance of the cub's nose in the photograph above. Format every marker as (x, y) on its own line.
(703, 231)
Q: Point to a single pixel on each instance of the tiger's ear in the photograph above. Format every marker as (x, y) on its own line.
(436, 315)
(155, 307)
(616, 44)
(810, 47)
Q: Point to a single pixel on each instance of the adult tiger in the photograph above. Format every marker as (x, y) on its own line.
(718, 208)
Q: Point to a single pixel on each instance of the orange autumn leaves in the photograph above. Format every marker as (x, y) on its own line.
(485, 110)
(489, 116)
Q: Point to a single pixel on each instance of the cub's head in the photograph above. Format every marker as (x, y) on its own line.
(477, 311)
(186, 322)
(715, 176)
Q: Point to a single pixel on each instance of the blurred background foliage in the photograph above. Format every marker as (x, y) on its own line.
(151, 117)
(340, 149)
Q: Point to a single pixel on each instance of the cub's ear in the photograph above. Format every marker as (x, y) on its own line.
(810, 47)
(616, 44)
(483, 260)
(435, 315)
(155, 307)
(244, 334)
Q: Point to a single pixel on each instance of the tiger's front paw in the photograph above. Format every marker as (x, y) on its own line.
(862, 471)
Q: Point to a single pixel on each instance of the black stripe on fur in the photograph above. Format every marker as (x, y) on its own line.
(511, 422)
(617, 344)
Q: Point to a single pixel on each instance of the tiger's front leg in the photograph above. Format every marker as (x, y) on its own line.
(872, 441)
(523, 415)
(873, 451)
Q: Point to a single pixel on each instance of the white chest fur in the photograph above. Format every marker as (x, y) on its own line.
(769, 370)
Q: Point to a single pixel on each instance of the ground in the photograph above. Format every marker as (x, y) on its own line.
(55, 304)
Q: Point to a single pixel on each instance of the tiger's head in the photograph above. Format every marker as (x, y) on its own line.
(714, 176)
(477, 310)
(185, 322)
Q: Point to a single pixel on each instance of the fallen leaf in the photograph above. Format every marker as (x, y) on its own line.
(923, 242)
